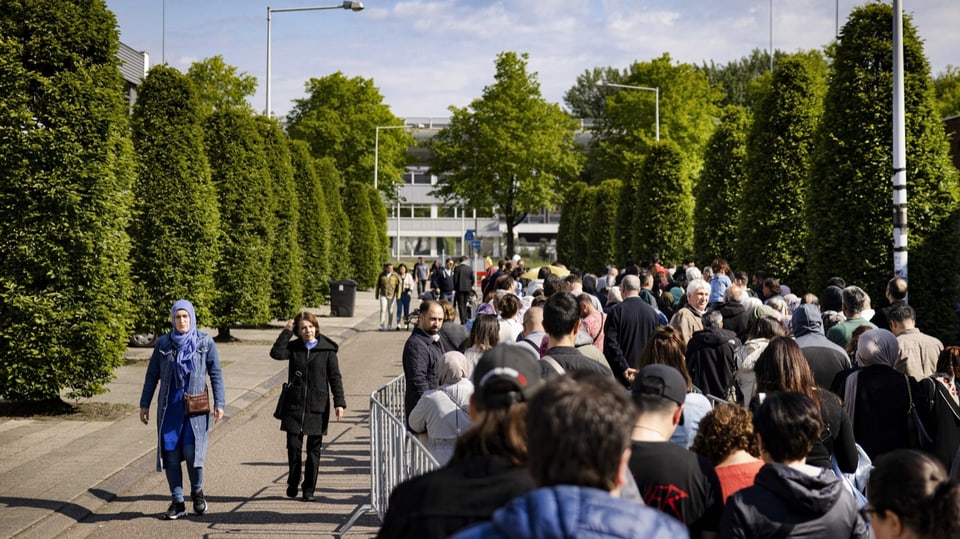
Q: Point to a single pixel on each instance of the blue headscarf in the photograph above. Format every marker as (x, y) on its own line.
(186, 343)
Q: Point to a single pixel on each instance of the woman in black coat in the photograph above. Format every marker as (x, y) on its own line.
(305, 408)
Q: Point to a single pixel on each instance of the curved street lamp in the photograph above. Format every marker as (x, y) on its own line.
(655, 90)
(352, 6)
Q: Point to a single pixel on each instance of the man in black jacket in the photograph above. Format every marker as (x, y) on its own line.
(463, 285)
(629, 324)
(422, 354)
(561, 321)
(712, 356)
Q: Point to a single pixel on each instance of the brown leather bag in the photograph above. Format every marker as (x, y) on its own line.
(196, 403)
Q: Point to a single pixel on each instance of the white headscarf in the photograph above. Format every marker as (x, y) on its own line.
(452, 368)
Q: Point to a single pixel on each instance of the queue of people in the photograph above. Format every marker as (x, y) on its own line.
(759, 412)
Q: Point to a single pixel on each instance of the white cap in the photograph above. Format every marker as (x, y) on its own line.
(516, 258)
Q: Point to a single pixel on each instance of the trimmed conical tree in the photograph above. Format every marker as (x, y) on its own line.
(718, 192)
(567, 234)
(177, 220)
(850, 193)
(379, 212)
(601, 249)
(66, 174)
(340, 232)
(313, 224)
(286, 265)
(240, 174)
(664, 220)
(772, 231)
(364, 263)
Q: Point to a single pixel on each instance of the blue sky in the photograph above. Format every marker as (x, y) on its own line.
(426, 55)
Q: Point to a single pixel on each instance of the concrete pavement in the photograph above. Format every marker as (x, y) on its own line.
(64, 478)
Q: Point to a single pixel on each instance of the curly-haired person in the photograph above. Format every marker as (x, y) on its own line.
(727, 440)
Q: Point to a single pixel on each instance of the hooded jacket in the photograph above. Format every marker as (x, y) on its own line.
(571, 511)
(787, 502)
(825, 357)
(712, 360)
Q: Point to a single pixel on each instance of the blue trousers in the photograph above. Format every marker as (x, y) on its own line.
(174, 471)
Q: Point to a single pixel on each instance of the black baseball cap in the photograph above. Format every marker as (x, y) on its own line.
(662, 381)
(506, 374)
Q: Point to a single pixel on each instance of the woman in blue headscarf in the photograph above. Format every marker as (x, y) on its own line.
(181, 362)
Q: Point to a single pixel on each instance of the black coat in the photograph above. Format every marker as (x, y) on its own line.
(941, 417)
(311, 378)
(712, 360)
(628, 327)
(880, 419)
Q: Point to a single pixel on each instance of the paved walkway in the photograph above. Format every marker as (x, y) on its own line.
(65, 478)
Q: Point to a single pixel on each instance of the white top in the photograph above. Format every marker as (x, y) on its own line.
(509, 329)
(442, 414)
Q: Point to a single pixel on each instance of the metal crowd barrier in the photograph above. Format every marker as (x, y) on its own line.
(395, 454)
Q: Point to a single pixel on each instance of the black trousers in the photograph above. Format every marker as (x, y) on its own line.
(295, 460)
(462, 300)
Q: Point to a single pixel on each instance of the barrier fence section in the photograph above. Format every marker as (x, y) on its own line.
(395, 453)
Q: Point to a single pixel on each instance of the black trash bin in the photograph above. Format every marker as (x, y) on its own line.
(343, 295)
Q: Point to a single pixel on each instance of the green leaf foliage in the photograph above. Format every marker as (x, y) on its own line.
(718, 193)
(364, 263)
(177, 225)
(946, 85)
(688, 109)
(772, 230)
(379, 212)
(339, 119)
(581, 228)
(65, 200)
(313, 224)
(736, 78)
(238, 164)
(510, 151)
(340, 233)
(601, 245)
(851, 189)
(286, 296)
(220, 87)
(566, 228)
(664, 213)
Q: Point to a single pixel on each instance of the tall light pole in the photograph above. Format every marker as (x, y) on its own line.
(352, 6)
(899, 150)
(655, 90)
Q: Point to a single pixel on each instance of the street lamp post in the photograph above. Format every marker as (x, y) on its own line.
(655, 90)
(347, 4)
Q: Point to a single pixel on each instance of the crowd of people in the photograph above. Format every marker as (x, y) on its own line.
(724, 401)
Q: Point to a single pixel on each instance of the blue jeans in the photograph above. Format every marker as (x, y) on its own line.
(171, 465)
(403, 307)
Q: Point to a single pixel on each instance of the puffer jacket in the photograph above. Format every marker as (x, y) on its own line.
(162, 370)
(787, 502)
(570, 511)
(313, 376)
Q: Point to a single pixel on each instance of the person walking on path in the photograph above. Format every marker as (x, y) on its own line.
(406, 287)
(463, 282)
(180, 364)
(388, 292)
(304, 410)
(421, 275)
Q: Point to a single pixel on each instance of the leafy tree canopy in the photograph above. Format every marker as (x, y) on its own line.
(339, 119)
(220, 87)
(947, 88)
(510, 150)
(586, 99)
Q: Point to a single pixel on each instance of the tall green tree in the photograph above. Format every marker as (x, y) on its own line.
(177, 225)
(313, 224)
(664, 223)
(630, 211)
(946, 85)
(339, 119)
(718, 193)
(850, 191)
(601, 248)
(773, 232)
(510, 150)
(688, 112)
(65, 200)
(737, 77)
(569, 236)
(220, 87)
(286, 265)
(585, 99)
(379, 212)
(340, 232)
(582, 228)
(363, 249)
(240, 173)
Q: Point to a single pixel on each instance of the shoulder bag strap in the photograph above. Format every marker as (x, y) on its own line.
(553, 363)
